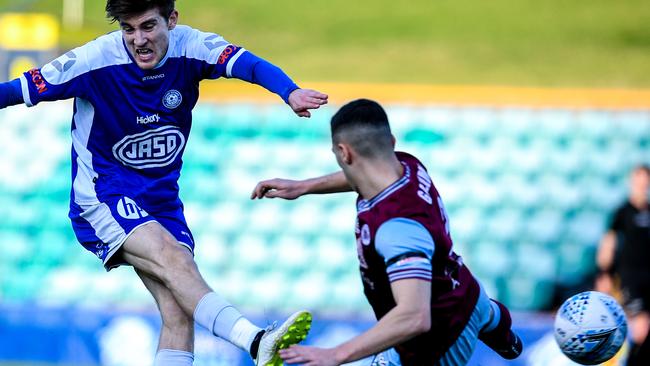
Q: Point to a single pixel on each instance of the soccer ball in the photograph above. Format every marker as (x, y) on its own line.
(590, 327)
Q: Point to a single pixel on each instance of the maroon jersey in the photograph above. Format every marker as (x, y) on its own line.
(454, 291)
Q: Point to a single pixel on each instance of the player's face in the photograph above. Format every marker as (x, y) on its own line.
(147, 36)
(640, 181)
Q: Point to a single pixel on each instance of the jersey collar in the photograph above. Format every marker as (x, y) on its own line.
(365, 205)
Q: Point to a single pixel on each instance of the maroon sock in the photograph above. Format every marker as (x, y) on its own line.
(500, 336)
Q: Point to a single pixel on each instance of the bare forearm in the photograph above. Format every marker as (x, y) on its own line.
(331, 183)
(606, 251)
(394, 328)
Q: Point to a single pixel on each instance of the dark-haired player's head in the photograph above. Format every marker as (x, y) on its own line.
(145, 27)
(363, 124)
(117, 10)
(361, 136)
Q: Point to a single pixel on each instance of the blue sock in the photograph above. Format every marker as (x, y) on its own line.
(496, 317)
(170, 357)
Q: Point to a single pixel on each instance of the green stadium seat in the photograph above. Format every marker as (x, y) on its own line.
(482, 193)
(269, 217)
(334, 254)
(594, 125)
(474, 122)
(445, 160)
(505, 225)
(340, 218)
(347, 292)
(234, 285)
(226, 217)
(514, 123)
(306, 216)
(534, 260)
(545, 226)
(575, 261)
(16, 247)
(65, 285)
(252, 251)
(587, 227)
(308, 290)
(632, 125)
(525, 293)
(272, 290)
(467, 225)
(489, 259)
(556, 124)
(212, 251)
(292, 253)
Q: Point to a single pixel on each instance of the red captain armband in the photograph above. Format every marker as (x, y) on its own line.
(38, 80)
(228, 52)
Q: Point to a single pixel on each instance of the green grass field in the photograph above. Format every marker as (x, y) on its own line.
(580, 43)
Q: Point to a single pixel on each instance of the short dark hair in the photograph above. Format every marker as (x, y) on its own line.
(118, 9)
(364, 125)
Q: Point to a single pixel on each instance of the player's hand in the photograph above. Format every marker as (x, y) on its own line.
(302, 100)
(309, 356)
(280, 188)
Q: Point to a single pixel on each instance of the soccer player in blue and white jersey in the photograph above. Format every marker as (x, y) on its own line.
(430, 308)
(134, 91)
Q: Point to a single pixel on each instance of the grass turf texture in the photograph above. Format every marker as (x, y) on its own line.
(579, 43)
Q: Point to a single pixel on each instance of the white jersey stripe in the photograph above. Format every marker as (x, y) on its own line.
(232, 61)
(106, 228)
(83, 185)
(25, 88)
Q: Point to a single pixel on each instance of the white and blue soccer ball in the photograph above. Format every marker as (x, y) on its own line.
(590, 327)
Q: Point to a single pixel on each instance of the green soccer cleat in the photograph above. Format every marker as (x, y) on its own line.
(292, 331)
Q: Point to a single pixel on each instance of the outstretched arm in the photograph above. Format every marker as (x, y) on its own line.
(10, 93)
(606, 251)
(411, 316)
(292, 189)
(407, 248)
(256, 70)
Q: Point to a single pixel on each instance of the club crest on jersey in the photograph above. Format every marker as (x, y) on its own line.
(150, 149)
(172, 99)
(365, 235)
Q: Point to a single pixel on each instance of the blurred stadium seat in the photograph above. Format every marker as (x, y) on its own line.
(528, 193)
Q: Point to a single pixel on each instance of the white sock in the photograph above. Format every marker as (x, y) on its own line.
(170, 357)
(243, 333)
(223, 320)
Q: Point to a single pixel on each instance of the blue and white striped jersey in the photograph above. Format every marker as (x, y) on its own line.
(130, 126)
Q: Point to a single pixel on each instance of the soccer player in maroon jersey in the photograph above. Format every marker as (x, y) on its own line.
(429, 307)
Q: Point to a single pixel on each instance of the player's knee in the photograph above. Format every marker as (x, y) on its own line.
(172, 258)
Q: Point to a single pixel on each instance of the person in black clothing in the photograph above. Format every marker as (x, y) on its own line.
(624, 255)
